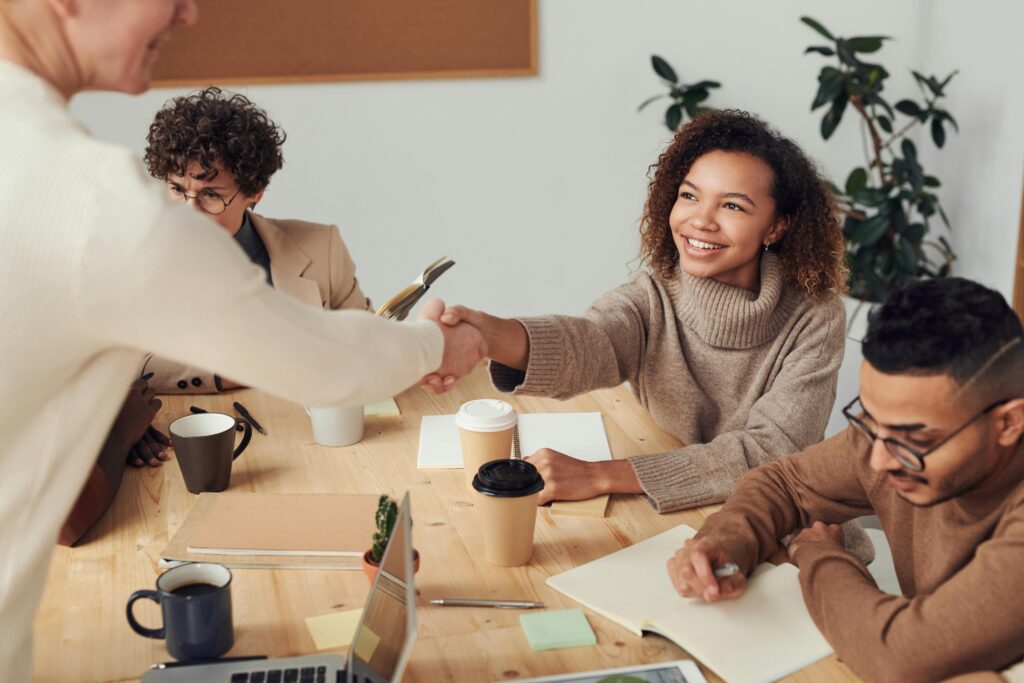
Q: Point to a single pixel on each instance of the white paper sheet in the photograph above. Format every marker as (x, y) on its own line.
(580, 435)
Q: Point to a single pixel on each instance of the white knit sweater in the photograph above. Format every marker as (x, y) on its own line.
(96, 266)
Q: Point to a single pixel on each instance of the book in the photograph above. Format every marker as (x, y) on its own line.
(761, 636)
(398, 306)
(321, 525)
(580, 435)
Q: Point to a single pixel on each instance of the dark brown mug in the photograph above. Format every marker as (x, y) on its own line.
(203, 445)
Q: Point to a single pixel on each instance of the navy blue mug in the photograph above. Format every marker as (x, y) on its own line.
(195, 600)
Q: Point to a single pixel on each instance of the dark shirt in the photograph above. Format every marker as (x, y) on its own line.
(250, 241)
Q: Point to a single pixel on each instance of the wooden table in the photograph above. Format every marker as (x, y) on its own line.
(81, 633)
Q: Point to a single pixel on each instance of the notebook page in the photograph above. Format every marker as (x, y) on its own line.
(762, 636)
(628, 586)
(580, 435)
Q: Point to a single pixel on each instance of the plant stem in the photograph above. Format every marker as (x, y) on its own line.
(876, 141)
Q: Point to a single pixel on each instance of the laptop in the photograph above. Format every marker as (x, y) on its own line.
(380, 646)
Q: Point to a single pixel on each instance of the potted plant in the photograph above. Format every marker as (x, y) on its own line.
(387, 513)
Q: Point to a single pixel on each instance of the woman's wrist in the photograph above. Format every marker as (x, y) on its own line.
(507, 341)
(616, 476)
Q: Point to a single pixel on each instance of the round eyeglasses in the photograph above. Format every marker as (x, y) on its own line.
(208, 201)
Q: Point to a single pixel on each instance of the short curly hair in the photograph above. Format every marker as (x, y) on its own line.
(811, 249)
(215, 128)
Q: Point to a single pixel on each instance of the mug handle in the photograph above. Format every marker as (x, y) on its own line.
(245, 439)
(136, 626)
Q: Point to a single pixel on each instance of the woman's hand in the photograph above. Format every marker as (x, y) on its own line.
(150, 449)
(566, 478)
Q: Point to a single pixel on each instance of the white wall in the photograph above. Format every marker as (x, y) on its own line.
(534, 185)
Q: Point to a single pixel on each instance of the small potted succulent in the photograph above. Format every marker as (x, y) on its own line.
(387, 513)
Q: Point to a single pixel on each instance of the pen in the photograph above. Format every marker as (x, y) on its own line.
(726, 570)
(248, 418)
(170, 665)
(468, 602)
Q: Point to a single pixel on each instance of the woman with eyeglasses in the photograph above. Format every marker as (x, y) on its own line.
(217, 152)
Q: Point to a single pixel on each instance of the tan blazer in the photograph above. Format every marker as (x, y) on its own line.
(308, 261)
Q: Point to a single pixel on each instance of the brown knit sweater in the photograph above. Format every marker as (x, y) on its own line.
(959, 562)
(741, 378)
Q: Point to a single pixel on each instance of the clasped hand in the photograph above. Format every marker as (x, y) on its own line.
(464, 347)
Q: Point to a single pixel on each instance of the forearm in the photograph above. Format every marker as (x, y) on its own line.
(98, 492)
(507, 341)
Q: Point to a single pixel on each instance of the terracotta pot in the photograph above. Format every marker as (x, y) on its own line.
(370, 567)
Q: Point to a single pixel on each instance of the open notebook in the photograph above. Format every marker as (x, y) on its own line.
(761, 636)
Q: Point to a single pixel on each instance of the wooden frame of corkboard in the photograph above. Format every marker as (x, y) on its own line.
(256, 41)
(1018, 287)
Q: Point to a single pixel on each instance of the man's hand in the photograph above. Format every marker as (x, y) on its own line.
(819, 532)
(150, 449)
(464, 347)
(692, 570)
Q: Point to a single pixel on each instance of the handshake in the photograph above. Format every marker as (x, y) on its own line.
(469, 337)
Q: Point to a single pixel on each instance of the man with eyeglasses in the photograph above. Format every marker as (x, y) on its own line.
(935, 449)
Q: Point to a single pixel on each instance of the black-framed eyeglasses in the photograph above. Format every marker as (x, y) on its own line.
(208, 201)
(908, 456)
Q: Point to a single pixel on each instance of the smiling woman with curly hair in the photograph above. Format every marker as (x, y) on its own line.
(731, 338)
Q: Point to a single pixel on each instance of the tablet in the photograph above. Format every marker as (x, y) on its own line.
(679, 671)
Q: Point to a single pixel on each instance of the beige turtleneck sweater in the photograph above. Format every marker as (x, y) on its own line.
(958, 562)
(741, 378)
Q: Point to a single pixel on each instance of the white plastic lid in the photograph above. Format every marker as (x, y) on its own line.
(486, 415)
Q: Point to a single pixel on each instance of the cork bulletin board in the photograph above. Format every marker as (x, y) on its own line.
(281, 41)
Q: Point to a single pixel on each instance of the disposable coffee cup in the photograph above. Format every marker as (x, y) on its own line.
(336, 425)
(506, 496)
(485, 433)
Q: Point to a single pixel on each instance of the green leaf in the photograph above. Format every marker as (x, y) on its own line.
(820, 49)
(831, 84)
(946, 221)
(649, 100)
(695, 94)
(867, 43)
(664, 69)
(834, 115)
(690, 105)
(673, 116)
(884, 123)
(870, 230)
(938, 132)
(946, 246)
(908, 257)
(908, 107)
(846, 55)
(706, 84)
(914, 232)
(945, 115)
(909, 150)
(856, 181)
(817, 27)
(875, 98)
(872, 196)
(931, 181)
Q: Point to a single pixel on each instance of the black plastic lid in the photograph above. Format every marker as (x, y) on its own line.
(508, 479)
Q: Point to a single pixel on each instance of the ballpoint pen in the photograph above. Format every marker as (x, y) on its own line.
(726, 570)
(248, 418)
(469, 602)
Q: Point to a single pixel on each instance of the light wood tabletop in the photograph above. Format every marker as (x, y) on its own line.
(81, 633)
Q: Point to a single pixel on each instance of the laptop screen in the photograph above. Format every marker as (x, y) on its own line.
(384, 637)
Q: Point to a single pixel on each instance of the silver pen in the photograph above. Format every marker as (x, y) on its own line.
(469, 602)
(726, 570)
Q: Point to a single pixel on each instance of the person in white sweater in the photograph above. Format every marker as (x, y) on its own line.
(98, 266)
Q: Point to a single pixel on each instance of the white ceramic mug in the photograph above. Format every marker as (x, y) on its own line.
(336, 425)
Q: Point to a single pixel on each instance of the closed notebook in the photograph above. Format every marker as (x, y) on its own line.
(325, 525)
(762, 636)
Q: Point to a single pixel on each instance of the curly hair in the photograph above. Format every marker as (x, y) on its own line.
(214, 128)
(811, 249)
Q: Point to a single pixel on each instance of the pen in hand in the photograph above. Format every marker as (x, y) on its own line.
(248, 418)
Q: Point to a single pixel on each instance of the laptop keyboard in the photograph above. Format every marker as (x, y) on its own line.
(306, 674)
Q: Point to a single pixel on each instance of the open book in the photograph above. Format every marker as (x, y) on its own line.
(761, 636)
(398, 306)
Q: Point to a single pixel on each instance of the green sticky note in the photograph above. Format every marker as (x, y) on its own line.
(557, 629)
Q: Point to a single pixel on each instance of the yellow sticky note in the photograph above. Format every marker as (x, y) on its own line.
(333, 630)
(367, 644)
